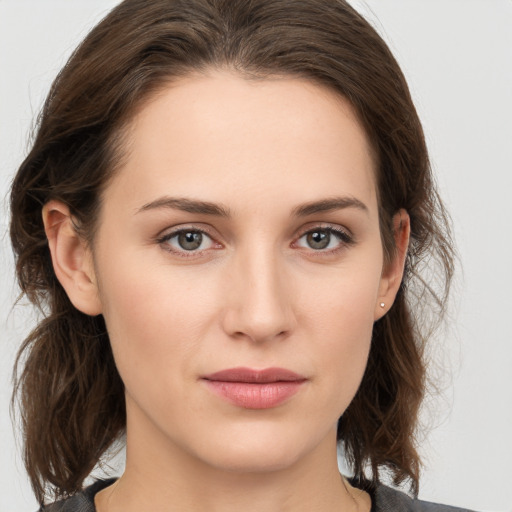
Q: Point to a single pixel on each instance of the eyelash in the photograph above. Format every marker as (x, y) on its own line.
(344, 237)
(165, 239)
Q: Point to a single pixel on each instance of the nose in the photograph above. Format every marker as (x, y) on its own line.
(259, 303)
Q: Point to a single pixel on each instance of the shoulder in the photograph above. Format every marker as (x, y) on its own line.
(386, 499)
(80, 502)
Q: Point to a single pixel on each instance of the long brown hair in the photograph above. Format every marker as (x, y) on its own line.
(71, 397)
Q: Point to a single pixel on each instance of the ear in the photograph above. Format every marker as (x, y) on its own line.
(71, 258)
(393, 271)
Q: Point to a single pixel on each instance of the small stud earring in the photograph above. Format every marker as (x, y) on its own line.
(382, 304)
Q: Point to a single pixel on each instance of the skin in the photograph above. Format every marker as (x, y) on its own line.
(254, 294)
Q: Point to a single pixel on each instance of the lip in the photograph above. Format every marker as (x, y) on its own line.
(255, 389)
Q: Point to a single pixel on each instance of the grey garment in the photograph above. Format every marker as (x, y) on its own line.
(80, 502)
(384, 499)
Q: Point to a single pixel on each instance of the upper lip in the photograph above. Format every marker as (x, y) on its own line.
(255, 376)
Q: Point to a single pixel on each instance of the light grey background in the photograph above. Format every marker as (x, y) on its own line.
(457, 56)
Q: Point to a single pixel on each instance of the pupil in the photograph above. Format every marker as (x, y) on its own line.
(190, 240)
(319, 239)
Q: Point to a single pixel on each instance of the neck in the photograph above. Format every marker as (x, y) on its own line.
(161, 477)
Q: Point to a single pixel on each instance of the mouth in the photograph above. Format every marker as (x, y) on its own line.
(255, 389)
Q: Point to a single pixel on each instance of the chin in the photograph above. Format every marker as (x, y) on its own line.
(256, 461)
(257, 452)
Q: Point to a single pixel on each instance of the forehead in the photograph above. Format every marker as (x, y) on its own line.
(218, 134)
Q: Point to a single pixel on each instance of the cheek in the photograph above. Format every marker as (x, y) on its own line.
(347, 338)
(341, 322)
(343, 300)
(155, 320)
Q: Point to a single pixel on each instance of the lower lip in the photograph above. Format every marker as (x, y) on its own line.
(255, 395)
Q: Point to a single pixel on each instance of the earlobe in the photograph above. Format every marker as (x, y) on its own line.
(71, 258)
(393, 271)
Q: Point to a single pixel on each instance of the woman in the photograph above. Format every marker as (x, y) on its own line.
(224, 216)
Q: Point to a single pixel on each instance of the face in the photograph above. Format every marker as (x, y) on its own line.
(239, 269)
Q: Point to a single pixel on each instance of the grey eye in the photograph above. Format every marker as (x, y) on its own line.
(190, 240)
(318, 239)
(187, 241)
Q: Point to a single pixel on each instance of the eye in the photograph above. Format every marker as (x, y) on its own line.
(187, 241)
(324, 239)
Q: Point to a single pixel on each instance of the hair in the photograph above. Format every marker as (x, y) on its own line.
(69, 393)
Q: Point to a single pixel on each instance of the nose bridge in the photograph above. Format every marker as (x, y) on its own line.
(260, 304)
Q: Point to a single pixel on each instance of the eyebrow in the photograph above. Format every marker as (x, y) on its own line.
(328, 205)
(187, 205)
(219, 210)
